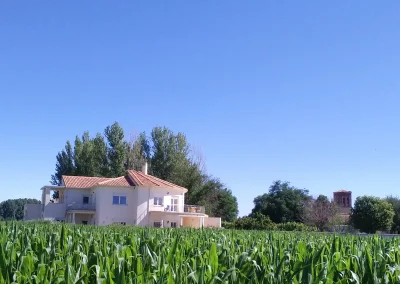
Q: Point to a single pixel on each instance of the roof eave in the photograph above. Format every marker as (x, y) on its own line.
(54, 187)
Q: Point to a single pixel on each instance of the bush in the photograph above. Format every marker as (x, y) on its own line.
(294, 226)
(258, 222)
(228, 225)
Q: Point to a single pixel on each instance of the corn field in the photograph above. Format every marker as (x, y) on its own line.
(53, 253)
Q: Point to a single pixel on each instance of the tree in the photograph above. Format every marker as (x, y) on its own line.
(138, 152)
(320, 213)
(217, 200)
(64, 164)
(395, 202)
(117, 150)
(170, 155)
(99, 152)
(84, 156)
(371, 214)
(283, 203)
(13, 209)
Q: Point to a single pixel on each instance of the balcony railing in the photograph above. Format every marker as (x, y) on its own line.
(81, 206)
(194, 209)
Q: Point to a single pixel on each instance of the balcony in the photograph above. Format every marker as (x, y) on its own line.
(194, 209)
(81, 206)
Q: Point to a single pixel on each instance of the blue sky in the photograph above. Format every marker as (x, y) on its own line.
(304, 91)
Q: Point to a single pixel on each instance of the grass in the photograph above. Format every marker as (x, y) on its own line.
(52, 253)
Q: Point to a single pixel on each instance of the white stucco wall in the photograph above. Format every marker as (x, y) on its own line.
(212, 222)
(32, 212)
(108, 213)
(144, 197)
(192, 222)
(73, 195)
(54, 211)
(84, 217)
(166, 218)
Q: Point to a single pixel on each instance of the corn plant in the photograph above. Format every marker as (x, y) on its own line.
(56, 253)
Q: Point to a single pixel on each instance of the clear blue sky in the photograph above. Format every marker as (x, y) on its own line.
(304, 91)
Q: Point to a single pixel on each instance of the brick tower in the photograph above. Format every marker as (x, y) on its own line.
(343, 199)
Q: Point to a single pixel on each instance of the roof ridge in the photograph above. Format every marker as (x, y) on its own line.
(154, 179)
(165, 182)
(145, 176)
(133, 172)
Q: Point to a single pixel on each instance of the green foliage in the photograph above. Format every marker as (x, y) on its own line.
(283, 203)
(13, 209)
(371, 214)
(295, 226)
(395, 202)
(40, 253)
(93, 156)
(138, 152)
(65, 164)
(255, 222)
(217, 199)
(116, 154)
(258, 221)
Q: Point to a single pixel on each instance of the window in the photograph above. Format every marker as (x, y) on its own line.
(158, 201)
(173, 224)
(157, 224)
(84, 222)
(85, 200)
(174, 204)
(119, 200)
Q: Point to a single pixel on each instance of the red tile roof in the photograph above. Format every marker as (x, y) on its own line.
(82, 182)
(119, 181)
(133, 178)
(141, 179)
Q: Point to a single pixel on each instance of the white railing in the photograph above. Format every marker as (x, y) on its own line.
(194, 209)
(81, 206)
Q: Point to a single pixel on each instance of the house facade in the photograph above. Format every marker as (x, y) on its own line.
(134, 199)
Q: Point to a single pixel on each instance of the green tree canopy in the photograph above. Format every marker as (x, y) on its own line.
(395, 201)
(13, 209)
(283, 202)
(217, 199)
(371, 214)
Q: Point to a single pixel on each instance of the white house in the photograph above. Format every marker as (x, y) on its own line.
(134, 199)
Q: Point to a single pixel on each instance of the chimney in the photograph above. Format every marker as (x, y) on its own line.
(144, 168)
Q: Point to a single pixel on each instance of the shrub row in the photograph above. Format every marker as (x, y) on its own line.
(261, 222)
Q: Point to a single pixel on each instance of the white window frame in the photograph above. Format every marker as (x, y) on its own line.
(119, 200)
(158, 201)
(174, 206)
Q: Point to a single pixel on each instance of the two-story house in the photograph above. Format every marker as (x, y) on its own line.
(134, 199)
